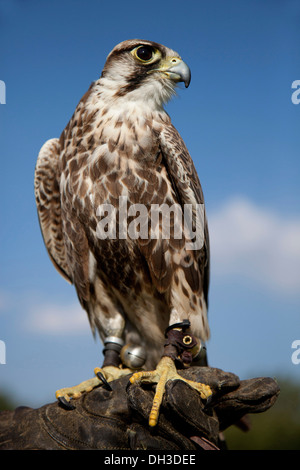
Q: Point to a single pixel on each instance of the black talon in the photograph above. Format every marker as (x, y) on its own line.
(104, 381)
(207, 400)
(65, 403)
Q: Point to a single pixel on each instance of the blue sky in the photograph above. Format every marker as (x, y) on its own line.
(242, 130)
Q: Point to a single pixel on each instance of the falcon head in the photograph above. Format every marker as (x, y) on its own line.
(144, 70)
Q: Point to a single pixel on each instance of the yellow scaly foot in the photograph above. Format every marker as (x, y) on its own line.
(103, 375)
(165, 371)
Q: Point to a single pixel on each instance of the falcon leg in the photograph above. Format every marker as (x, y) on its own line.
(180, 345)
(110, 370)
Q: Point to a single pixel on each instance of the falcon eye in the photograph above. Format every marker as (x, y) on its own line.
(144, 53)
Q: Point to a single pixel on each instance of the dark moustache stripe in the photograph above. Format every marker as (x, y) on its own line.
(134, 81)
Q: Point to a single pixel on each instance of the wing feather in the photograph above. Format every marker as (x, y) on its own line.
(47, 195)
(174, 180)
(187, 187)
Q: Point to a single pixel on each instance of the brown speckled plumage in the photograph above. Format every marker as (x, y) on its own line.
(120, 142)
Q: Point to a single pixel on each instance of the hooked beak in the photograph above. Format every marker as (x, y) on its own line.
(175, 69)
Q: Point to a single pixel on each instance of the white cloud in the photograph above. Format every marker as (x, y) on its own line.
(44, 316)
(58, 319)
(256, 243)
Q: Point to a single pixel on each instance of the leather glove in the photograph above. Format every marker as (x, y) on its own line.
(118, 419)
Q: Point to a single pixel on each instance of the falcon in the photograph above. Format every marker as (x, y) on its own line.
(146, 296)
